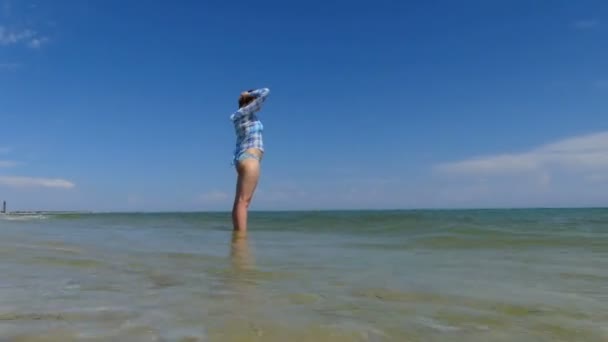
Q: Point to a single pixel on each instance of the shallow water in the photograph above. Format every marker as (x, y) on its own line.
(504, 275)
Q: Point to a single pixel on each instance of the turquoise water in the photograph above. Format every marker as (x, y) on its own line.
(488, 275)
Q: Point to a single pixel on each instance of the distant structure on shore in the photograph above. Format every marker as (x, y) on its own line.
(3, 207)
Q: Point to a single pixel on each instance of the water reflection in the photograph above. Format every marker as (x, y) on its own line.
(240, 253)
(242, 280)
(239, 312)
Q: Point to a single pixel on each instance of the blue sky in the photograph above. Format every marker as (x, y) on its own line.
(114, 105)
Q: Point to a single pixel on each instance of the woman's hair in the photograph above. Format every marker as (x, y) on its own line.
(243, 101)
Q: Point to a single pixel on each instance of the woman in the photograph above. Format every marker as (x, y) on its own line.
(248, 153)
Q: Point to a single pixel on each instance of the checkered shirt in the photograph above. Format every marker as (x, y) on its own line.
(247, 126)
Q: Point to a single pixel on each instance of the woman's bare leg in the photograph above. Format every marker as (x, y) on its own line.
(248, 175)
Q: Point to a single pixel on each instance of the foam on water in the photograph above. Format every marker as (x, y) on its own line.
(22, 217)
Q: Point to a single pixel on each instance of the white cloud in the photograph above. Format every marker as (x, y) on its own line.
(214, 197)
(9, 37)
(568, 172)
(7, 163)
(27, 37)
(9, 67)
(133, 199)
(588, 153)
(586, 24)
(28, 182)
(36, 43)
(16, 181)
(354, 192)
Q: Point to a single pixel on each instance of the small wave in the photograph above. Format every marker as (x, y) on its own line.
(53, 246)
(436, 325)
(95, 313)
(20, 217)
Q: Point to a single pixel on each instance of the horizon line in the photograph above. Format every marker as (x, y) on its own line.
(296, 210)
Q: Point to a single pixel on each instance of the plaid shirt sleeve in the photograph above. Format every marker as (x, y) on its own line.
(255, 105)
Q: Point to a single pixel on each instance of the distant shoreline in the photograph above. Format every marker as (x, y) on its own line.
(67, 212)
(41, 212)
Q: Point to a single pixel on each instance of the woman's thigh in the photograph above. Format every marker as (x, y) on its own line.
(249, 174)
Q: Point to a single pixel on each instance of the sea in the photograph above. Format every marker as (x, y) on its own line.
(414, 275)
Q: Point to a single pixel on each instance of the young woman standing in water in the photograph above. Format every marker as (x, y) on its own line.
(248, 153)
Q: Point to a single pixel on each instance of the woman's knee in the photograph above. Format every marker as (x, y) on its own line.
(244, 200)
